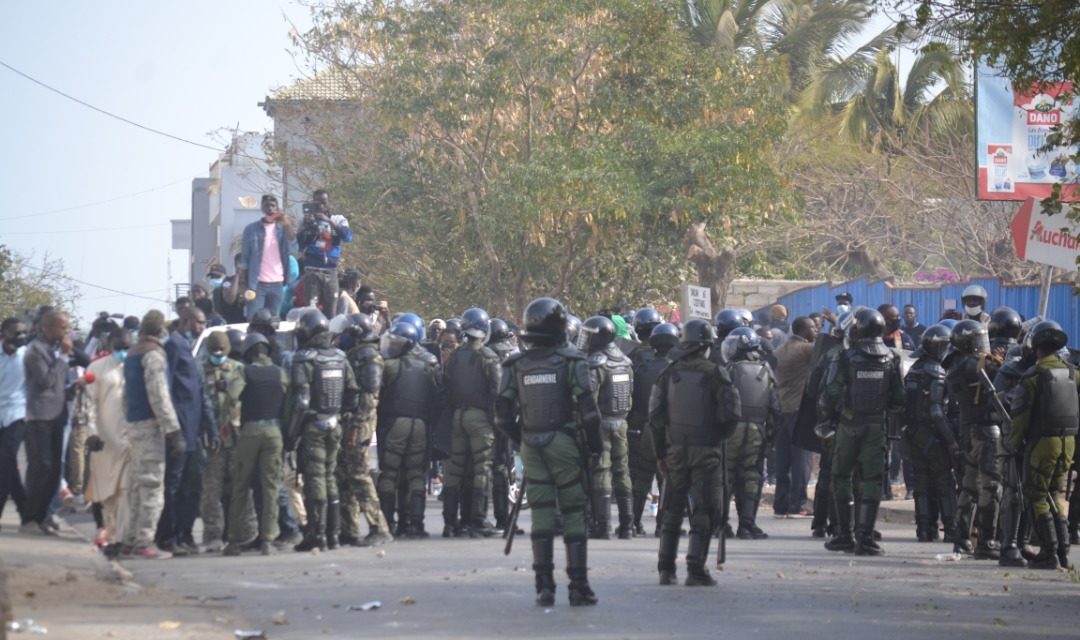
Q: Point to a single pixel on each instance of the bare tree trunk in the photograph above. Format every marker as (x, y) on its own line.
(716, 269)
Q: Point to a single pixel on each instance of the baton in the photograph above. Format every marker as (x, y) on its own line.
(994, 399)
(511, 527)
(722, 557)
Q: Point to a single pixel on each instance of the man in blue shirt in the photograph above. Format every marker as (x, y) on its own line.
(12, 412)
(320, 240)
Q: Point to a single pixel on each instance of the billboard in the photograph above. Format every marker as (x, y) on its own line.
(1012, 125)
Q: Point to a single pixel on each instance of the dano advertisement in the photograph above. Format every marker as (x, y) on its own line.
(1013, 123)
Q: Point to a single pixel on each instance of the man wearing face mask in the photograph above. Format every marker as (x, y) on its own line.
(12, 412)
(183, 473)
(224, 384)
(153, 428)
(265, 257)
(974, 301)
(894, 337)
(844, 302)
(106, 440)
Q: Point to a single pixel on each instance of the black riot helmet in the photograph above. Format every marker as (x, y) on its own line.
(727, 321)
(599, 332)
(970, 336)
(739, 344)
(1005, 324)
(573, 329)
(1047, 335)
(310, 325)
(253, 340)
(362, 328)
(545, 323)
(236, 343)
(664, 336)
(645, 320)
(500, 330)
(698, 333)
(935, 341)
(453, 327)
(869, 324)
(264, 321)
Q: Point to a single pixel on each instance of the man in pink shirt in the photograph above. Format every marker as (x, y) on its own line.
(265, 256)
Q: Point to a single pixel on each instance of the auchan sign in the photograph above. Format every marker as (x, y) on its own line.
(1051, 240)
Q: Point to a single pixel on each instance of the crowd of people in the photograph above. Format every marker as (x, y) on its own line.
(279, 440)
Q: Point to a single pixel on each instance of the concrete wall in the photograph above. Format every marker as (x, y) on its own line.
(753, 294)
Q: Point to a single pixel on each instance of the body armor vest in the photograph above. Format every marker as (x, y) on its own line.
(543, 382)
(466, 384)
(869, 381)
(410, 392)
(972, 398)
(263, 396)
(646, 373)
(617, 389)
(755, 386)
(917, 391)
(691, 408)
(138, 401)
(1056, 410)
(367, 365)
(328, 381)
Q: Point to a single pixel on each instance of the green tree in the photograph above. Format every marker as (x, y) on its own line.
(25, 286)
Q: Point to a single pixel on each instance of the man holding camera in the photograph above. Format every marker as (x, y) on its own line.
(265, 257)
(320, 241)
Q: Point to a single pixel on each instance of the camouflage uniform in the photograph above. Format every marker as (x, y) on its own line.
(76, 456)
(224, 384)
(355, 485)
(146, 380)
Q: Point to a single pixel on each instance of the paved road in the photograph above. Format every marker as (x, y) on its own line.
(785, 586)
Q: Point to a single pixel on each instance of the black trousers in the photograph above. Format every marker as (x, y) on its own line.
(11, 438)
(183, 490)
(44, 454)
(792, 469)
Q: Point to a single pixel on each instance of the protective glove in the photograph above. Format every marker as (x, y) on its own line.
(94, 443)
(215, 444)
(175, 444)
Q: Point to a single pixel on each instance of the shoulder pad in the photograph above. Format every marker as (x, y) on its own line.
(723, 374)
(570, 353)
(303, 355)
(488, 353)
(597, 359)
(511, 359)
(427, 358)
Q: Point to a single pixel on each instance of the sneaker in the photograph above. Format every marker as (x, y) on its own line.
(214, 546)
(67, 500)
(101, 539)
(375, 539)
(233, 549)
(780, 516)
(267, 549)
(802, 514)
(151, 553)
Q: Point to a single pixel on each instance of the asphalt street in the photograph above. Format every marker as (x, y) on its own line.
(786, 586)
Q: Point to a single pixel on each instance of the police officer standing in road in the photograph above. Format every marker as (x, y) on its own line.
(503, 344)
(1045, 417)
(322, 386)
(693, 408)
(546, 399)
(471, 379)
(613, 381)
(861, 387)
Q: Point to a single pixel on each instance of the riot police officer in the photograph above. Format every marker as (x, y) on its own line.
(1014, 521)
(649, 359)
(930, 440)
(265, 322)
(613, 380)
(321, 387)
(746, 447)
(693, 408)
(357, 490)
(967, 367)
(471, 379)
(726, 321)
(861, 387)
(408, 405)
(546, 387)
(1045, 417)
(502, 342)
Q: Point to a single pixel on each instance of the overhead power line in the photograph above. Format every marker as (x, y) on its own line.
(107, 113)
(94, 204)
(91, 284)
(50, 232)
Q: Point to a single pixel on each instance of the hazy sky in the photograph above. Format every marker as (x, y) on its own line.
(188, 68)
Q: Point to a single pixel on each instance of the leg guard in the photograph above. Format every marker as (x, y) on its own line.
(577, 570)
(544, 568)
(865, 544)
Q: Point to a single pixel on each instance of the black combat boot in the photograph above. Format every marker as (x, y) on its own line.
(947, 507)
(544, 567)
(601, 520)
(987, 548)
(696, 553)
(639, 499)
(1047, 558)
(819, 524)
(751, 508)
(1010, 555)
(922, 517)
(500, 500)
(333, 523)
(669, 550)
(842, 540)
(478, 526)
(415, 527)
(315, 534)
(962, 530)
(626, 517)
(451, 499)
(578, 572)
(1061, 527)
(932, 524)
(865, 543)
